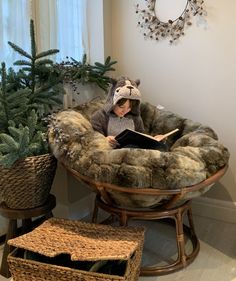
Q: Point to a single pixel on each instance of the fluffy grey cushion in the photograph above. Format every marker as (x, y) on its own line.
(195, 152)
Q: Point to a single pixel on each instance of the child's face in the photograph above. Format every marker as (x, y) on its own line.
(122, 110)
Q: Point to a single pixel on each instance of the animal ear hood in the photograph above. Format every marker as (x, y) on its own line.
(124, 88)
(137, 81)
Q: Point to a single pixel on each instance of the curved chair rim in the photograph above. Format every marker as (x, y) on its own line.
(148, 190)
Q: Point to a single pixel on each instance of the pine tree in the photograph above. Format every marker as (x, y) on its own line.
(26, 96)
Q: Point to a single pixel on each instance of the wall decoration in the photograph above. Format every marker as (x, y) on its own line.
(153, 28)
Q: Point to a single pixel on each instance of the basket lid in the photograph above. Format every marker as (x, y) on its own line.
(82, 240)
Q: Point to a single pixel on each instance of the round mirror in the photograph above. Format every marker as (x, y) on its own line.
(169, 9)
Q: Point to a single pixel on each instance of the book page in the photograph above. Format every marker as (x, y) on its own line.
(151, 137)
(148, 136)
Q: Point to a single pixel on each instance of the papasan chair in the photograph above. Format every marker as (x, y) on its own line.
(140, 183)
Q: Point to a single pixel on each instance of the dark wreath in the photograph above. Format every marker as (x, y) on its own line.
(156, 29)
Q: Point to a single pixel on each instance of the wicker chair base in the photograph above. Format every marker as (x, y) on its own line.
(175, 206)
(177, 216)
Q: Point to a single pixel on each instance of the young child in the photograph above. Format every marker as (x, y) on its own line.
(121, 111)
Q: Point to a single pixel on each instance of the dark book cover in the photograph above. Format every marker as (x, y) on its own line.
(130, 138)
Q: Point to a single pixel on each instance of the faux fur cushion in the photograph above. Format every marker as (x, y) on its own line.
(194, 152)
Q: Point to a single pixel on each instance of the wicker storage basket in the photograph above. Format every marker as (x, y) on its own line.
(83, 242)
(27, 184)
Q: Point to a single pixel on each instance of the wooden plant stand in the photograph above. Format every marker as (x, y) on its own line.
(25, 216)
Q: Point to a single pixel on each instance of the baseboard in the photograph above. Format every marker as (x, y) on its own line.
(215, 209)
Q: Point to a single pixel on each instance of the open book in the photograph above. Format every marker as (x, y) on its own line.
(130, 138)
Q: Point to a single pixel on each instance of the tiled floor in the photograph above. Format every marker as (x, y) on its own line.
(216, 260)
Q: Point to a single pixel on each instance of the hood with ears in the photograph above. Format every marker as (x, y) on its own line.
(121, 88)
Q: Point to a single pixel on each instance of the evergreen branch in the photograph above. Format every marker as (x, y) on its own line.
(36, 148)
(18, 113)
(33, 42)
(19, 50)
(4, 148)
(24, 141)
(8, 160)
(32, 123)
(11, 123)
(57, 100)
(99, 65)
(44, 94)
(103, 70)
(18, 103)
(47, 53)
(22, 62)
(84, 59)
(28, 69)
(43, 62)
(33, 105)
(14, 132)
(8, 140)
(75, 61)
(3, 84)
(108, 60)
(3, 123)
(22, 93)
(43, 101)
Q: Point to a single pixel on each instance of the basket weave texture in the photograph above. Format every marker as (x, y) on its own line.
(28, 182)
(83, 242)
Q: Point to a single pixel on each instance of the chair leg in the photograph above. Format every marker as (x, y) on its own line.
(49, 215)
(190, 220)
(26, 225)
(95, 212)
(123, 219)
(11, 233)
(180, 237)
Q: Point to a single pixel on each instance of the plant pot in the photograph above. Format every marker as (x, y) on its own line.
(28, 182)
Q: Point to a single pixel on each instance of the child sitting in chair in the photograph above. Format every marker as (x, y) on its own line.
(121, 111)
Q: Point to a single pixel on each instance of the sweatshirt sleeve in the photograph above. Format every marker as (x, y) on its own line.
(139, 126)
(99, 122)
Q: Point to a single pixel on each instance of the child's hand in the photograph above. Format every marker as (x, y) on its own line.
(159, 137)
(112, 141)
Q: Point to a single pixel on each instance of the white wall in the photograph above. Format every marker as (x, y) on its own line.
(196, 78)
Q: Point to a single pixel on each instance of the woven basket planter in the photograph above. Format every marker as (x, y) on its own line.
(27, 184)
